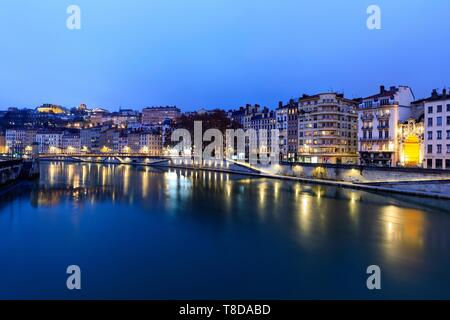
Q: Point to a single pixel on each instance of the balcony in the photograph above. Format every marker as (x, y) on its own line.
(384, 117)
(367, 117)
(376, 139)
(378, 104)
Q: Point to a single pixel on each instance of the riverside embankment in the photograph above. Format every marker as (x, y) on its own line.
(13, 171)
(412, 181)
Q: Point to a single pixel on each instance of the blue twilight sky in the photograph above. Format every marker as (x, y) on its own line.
(216, 53)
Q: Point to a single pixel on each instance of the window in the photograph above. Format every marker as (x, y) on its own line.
(370, 134)
(439, 135)
(386, 134)
(430, 135)
(448, 108)
(430, 148)
(439, 148)
(438, 163)
(430, 122)
(448, 150)
(439, 121)
(439, 108)
(429, 163)
(380, 134)
(448, 134)
(448, 120)
(430, 109)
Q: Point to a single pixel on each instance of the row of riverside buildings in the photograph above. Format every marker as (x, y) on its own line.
(90, 131)
(101, 139)
(389, 128)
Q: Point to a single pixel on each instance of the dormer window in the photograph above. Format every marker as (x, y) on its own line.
(368, 104)
(384, 102)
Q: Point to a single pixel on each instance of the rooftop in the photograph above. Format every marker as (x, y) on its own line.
(435, 96)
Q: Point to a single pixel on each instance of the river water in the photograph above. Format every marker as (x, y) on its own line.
(139, 232)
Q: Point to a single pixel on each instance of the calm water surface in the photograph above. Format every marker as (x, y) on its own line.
(147, 233)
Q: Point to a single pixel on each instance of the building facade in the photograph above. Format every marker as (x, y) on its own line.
(19, 141)
(379, 119)
(109, 139)
(327, 129)
(150, 143)
(264, 123)
(437, 130)
(411, 142)
(49, 142)
(70, 143)
(90, 139)
(292, 130)
(282, 126)
(157, 115)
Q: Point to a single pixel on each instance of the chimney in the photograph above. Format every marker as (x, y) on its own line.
(444, 93)
(392, 88)
(280, 104)
(434, 94)
(382, 89)
(291, 102)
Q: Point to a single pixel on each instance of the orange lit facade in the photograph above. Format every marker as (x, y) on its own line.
(411, 143)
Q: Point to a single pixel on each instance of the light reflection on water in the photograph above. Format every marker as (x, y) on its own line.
(255, 238)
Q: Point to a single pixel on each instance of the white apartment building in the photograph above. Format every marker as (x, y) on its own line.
(379, 117)
(437, 130)
(19, 141)
(49, 142)
(327, 129)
